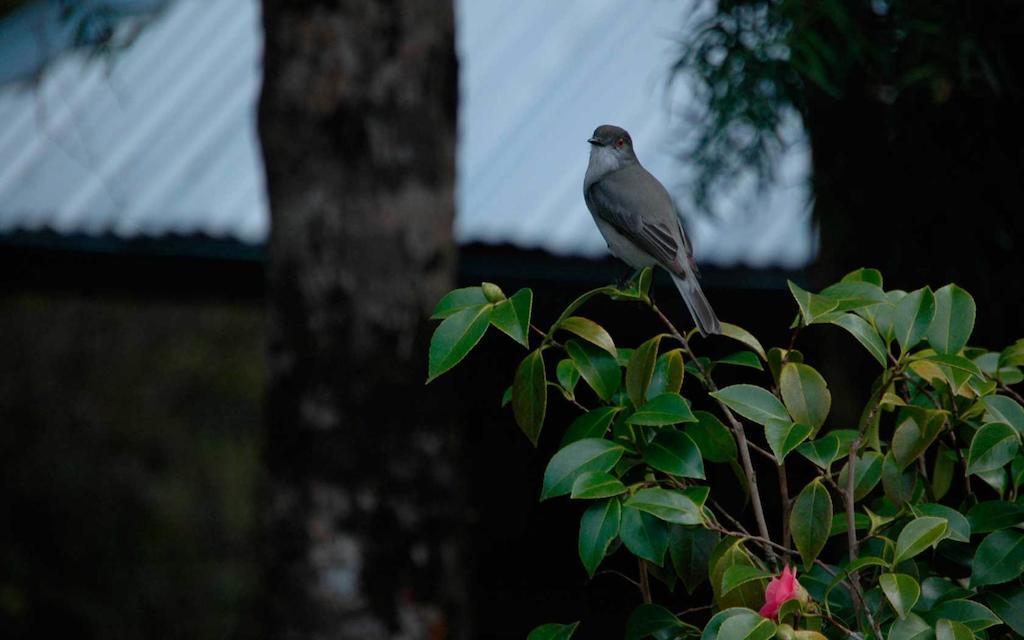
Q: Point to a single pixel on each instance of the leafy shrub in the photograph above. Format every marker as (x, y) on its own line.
(921, 496)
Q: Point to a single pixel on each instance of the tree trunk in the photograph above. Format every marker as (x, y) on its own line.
(357, 121)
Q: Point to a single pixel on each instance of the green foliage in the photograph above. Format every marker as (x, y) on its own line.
(755, 64)
(811, 521)
(928, 477)
(553, 632)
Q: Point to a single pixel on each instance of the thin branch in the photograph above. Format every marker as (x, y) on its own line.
(728, 516)
(1010, 391)
(768, 455)
(618, 574)
(737, 427)
(851, 481)
(704, 607)
(786, 504)
(645, 585)
(851, 522)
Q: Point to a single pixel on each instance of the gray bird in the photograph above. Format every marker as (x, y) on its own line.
(638, 220)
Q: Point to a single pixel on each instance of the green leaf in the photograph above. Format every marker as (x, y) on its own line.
(840, 525)
(623, 355)
(715, 441)
(643, 282)
(911, 628)
(942, 472)
(455, 337)
(668, 505)
(997, 479)
(810, 521)
(553, 632)
(918, 535)
(973, 615)
(747, 627)
(713, 629)
(952, 630)
(698, 493)
(901, 590)
(883, 316)
(597, 367)
(644, 535)
(1013, 355)
(666, 409)
(999, 558)
(994, 514)
(935, 590)
(953, 322)
(805, 394)
(864, 274)
(993, 446)
(854, 295)
(913, 315)
(641, 369)
(568, 375)
(898, 485)
(953, 361)
(652, 620)
(592, 424)
(598, 528)
(879, 520)
(530, 395)
(512, 316)
(911, 439)
(730, 552)
(596, 484)
(822, 452)
(1008, 603)
(959, 527)
(739, 574)
(812, 306)
(690, 550)
(752, 402)
(580, 301)
(589, 454)
(865, 334)
(742, 359)
(776, 358)
(675, 453)
(589, 331)
(492, 292)
(668, 374)
(784, 436)
(867, 473)
(1005, 410)
(458, 300)
(742, 335)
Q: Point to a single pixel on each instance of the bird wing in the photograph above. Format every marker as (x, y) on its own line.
(687, 247)
(639, 208)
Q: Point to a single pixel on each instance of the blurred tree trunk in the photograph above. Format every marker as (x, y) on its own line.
(357, 121)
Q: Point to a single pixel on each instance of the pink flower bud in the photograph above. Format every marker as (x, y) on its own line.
(780, 590)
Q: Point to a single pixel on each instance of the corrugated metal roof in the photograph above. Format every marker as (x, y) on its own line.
(163, 140)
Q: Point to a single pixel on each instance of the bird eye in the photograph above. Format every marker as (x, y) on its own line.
(620, 142)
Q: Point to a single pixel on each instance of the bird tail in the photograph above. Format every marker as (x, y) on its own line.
(703, 315)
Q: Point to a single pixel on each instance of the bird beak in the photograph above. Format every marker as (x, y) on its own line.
(595, 142)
